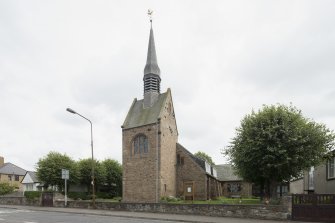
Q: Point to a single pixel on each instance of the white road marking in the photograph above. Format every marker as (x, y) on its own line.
(30, 222)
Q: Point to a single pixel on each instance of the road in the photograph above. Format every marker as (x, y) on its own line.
(28, 214)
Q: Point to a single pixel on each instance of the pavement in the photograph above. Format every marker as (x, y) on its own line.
(142, 215)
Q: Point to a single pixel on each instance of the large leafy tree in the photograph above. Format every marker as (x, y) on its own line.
(49, 169)
(85, 173)
(277, 143)
(204, 156)
(113, 180)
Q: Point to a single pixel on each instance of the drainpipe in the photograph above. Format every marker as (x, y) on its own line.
(157, 160)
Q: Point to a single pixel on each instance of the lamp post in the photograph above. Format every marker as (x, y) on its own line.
(93, 186)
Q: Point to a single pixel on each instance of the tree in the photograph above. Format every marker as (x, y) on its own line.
(276, 144)
(113, 171)
(6, 188)
(49, 169)
(205, 157)
(85, 173)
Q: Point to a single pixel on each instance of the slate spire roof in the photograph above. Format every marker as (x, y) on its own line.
(151, 67)
(151, 70)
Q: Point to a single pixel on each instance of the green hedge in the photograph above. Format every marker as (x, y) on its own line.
(32, 194)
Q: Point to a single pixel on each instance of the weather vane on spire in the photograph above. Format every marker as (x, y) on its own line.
(150, 14)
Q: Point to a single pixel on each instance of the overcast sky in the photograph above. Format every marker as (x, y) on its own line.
(221, 59)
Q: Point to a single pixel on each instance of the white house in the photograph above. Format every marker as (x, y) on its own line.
(30, 182)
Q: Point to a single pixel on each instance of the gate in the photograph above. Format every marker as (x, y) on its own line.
(47, 199)
(313, 207)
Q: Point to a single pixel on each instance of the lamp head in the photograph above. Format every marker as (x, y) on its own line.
(70, 110)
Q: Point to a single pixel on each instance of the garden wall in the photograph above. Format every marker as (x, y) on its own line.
(19, 201)
(274, 212)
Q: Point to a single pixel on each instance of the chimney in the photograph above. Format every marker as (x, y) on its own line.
(2, 161)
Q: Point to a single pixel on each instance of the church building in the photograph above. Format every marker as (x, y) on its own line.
(155, 165)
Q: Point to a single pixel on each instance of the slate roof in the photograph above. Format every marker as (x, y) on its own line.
(9, 168)
(226, 172)
(33, 176)
(151, 66)
(139, 116)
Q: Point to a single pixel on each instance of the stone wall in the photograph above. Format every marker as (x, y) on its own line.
(140, 170)
(19, 201)
(273, 212)
(189, 171)
(168, 141)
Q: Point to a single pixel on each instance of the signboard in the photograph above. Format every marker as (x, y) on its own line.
(65, 174)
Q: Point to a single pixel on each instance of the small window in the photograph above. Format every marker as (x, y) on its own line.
(140, 144)
(178, 159)
(17, 177)
(331, 168)
(182, 160)
(10, 177)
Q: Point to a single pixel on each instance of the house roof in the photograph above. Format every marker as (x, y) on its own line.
(226, 172)
(30, 177)
(139, 116)
(9, 168)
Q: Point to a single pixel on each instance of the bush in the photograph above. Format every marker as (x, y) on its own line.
(104, 195)
(6, 188)
(79, 195)
(32, 194)
(169, 199)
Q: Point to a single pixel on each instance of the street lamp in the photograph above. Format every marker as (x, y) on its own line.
(93, 186)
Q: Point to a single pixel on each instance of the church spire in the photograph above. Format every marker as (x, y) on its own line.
(151, 71)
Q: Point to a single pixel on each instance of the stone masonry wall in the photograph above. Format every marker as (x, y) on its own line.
(274, 212)
(140, 170)
(188, 172)
(168, 141)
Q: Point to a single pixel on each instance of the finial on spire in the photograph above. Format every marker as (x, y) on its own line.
(150, 12)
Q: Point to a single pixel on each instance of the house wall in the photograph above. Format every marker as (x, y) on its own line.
(191, 172)
(169, 137)
(140, 171)
(297, 186)
(17, 184)
(321, 184)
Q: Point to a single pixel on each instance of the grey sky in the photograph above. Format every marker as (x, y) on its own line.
(220, 58)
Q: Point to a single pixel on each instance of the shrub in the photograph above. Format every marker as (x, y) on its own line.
(32, 194)
(104, 195)
(6, 188)
(78, 195)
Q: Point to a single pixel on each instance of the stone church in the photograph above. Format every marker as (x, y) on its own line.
(155, 165)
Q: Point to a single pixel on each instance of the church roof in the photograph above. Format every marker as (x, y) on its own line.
(226, 172)
(139, 116)
(199, 161)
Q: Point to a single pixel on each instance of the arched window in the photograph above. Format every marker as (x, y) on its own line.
(140, 144)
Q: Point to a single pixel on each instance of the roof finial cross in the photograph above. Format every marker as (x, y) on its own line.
(150, 14)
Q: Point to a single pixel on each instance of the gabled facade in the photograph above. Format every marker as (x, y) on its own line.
(30, 182)
(11, 174)
(196, 179)
(231, 184)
